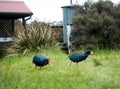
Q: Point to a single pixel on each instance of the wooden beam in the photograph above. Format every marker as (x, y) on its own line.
(24, 22)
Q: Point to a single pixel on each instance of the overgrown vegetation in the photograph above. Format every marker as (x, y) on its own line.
(2, 53)
(93, 28)
(97, 25)
(37, 35)
(17, 71)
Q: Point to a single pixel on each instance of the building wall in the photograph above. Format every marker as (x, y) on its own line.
(6, 28)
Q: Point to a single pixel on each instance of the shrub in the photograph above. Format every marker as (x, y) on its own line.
(2, 53)
(98, 26)
(36, 36)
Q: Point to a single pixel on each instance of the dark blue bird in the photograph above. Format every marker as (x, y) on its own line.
(78, 56)
(40, 60)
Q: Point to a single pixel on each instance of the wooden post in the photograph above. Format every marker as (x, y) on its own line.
(24, 22)
(71, 2)
(13, 27)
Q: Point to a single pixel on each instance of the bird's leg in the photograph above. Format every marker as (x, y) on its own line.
(40, 67)
(77, 65)
(70, 62)
(77, 68)
(35, 67)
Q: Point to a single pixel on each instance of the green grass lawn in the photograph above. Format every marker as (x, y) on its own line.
(100, 71)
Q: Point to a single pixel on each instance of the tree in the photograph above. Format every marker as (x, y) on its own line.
(99, 26)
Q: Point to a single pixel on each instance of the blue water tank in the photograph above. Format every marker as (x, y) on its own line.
(68, 13)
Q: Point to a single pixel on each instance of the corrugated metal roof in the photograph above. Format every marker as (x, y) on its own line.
(12, 8)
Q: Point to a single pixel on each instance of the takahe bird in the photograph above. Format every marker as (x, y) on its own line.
(78, 56)
(40, 60)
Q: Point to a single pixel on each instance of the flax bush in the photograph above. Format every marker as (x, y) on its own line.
(36, 36)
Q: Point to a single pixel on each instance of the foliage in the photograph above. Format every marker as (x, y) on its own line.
(98, 25)
(36, 36)
(17, 71)
(96, 62)
(2, 53)
(59, 32)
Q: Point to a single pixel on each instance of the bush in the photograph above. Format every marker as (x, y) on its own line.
(98, 26)
(36, 36)
(2, 53)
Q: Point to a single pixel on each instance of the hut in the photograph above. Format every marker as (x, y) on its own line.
(9, 12)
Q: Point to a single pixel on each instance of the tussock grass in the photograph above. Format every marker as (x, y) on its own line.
(38, 35)
(17, 71)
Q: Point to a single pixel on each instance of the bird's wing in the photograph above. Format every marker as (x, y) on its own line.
(75, 56)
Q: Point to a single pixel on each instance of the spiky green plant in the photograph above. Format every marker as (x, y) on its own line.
(37, 35)
(96, 62)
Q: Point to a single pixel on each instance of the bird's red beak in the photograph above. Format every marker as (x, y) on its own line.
(91, 52)
(49, 61)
